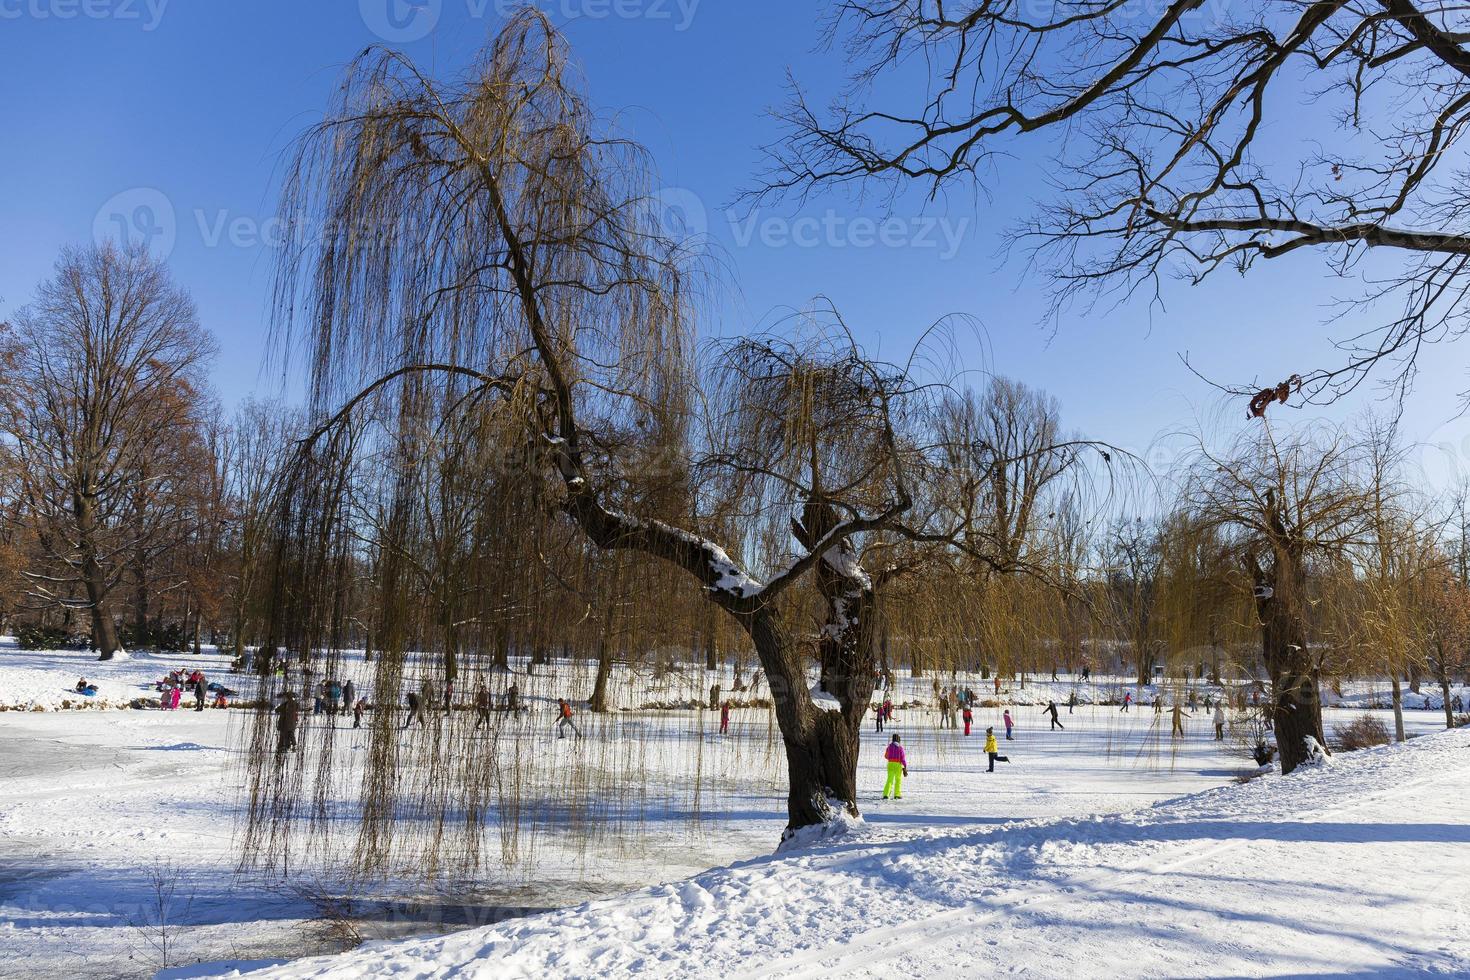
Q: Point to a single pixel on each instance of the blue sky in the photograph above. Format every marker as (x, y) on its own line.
(170, 117)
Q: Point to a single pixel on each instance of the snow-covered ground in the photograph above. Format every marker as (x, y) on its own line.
(105, 811)
(1352, 868)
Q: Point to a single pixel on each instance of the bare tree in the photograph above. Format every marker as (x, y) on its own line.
(1157, 114)
(105, 374)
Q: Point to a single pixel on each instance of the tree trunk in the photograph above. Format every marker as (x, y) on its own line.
(1398, 710)
(598, 702)
(1449, 712)
(821, 744)
(1296, 702)
(104, 629)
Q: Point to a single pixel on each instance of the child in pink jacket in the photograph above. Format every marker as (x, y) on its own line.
(898, 767)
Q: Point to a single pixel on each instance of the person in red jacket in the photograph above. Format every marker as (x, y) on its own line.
(725, 718)
(969, 717)
(898, 767)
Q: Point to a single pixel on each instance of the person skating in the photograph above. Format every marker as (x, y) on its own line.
(1179, 720)
(358, 707)
(513, 698)
(1051, 709)
(878, 717)
(482, 706)
(993, 750)
(968, 716)
(887, 710)
(288, 716)
(1006, 717)
(1127, 700)
(1220, 721)
(725, 718)
(565, 720)
(898, 767)
(414, 704)
(201, 692)
(1071, 702)
(349, 695)
(943, 710)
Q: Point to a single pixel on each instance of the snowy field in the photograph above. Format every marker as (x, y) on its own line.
(1356, 868)
(118, 837)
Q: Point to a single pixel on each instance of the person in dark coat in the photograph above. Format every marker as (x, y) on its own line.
(412, 699)
(201, 692)
(1051, 709)
(288, 716)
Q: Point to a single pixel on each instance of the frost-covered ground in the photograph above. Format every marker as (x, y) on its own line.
(102, 807)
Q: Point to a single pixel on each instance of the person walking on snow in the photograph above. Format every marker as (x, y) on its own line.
(413, 710)
(288, 715)
(358, 707)
(1219, 721)
(993, 750)
(482, 706)
(969, 717)
(1051, 709)
(898, 767)
(1006, 717)
(565, 721)
(201, 691)
(725, 718)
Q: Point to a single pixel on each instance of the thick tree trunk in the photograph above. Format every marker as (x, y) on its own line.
(104, 630)
(1449, 711)
(821, 744)
(1296, 701)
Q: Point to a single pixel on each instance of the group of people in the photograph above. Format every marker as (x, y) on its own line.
(882, 713)
(952, 700)
(172, 687)
(898, 763)
(334, 696)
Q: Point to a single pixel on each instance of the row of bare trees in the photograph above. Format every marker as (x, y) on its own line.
(132, 506)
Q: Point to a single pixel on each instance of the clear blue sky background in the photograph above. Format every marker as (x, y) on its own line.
(172, 119)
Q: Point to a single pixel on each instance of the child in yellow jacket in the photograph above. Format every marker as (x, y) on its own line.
(993, 750)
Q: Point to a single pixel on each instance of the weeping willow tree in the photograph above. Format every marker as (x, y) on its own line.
(1288, 508)
(505, 399)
